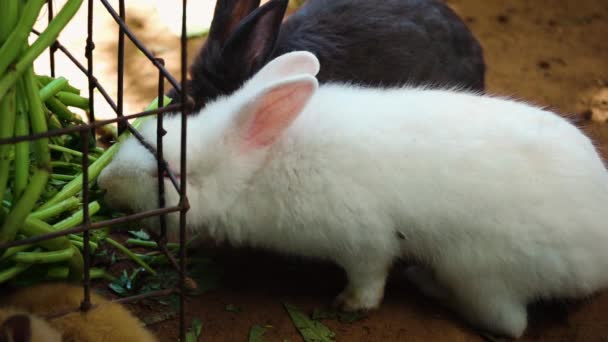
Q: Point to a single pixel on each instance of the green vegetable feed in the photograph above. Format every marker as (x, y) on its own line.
(41, 180)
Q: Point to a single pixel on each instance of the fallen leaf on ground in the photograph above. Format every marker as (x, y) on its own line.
(311, 330)
(195, 331)
(256, 334)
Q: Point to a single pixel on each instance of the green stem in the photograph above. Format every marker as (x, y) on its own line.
(75, 186)
(37, 121)
(13, 250)
(76, 266)
(46, 38)
(59, 164)
(62, 273)
(40, 176)
(73, 100)
(52, 88)
(56, 209)
(34, 227)
(22, 149)
(76, 237)
(132, 255)
(24, 205)
(98, 150)
(53, 122)
(12, 272)
(80, 245)
(61, 110)
(44, 80)
(69, 151)
(149, 244)
(44, 257)
(61, 177)
(77, 217)
(18, 38)
(10, 14)
(8, 111)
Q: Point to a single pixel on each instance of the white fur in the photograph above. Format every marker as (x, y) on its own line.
(503, 201)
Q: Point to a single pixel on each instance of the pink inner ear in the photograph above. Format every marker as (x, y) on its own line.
(275, 110)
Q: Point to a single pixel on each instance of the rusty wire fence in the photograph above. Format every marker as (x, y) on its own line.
(85, 130)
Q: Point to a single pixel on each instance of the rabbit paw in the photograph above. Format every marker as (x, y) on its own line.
(492, 308)
(363, 292)
(353, 300)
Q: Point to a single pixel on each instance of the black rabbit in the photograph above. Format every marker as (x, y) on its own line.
(377, 43)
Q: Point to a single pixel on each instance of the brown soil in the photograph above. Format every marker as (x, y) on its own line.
(550, 52)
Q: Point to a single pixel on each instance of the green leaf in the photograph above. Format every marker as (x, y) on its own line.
(195, 331)
(233, 308)
(140, 234)
(123, 285)
(256, 334)
(312, 331)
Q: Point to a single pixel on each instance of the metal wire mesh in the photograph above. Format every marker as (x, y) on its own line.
(122, 121)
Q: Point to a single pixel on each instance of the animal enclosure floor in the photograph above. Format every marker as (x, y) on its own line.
(550, 52)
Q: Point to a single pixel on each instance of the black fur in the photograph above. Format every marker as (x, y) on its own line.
(377, 43)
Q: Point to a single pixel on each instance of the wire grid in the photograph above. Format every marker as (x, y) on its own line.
(122, 121)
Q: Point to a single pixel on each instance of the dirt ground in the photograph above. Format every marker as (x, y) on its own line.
(549, 52)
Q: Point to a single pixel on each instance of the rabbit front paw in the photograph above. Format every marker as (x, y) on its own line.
(363, 292)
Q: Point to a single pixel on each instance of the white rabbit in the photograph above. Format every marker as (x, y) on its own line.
(500, 202)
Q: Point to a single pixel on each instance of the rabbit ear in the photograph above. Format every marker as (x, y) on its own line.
(254, 39)
(17, 328)
(285, 66)
(265, 117)
(227, 16)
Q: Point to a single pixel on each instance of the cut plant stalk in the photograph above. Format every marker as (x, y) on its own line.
(8, 111)
(10, 13)
(61, 207)
(33, 227)
(22, 149)
(73, 100)
(46, 38)
(24, 205)
(149, 244)
(13, 250)
(41, 173)
(80, 245)
(44, 257)
(61, 177)
(76, 266)
(12, 272)
(62, 273)
(130, 254)
(61, 110)
(75, 153)
(77, 218)
(44, 80)
(52, 88)
(75, 186)
(11, 48)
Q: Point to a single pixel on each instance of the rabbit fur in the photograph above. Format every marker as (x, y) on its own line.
(379, 43)
(500, 202)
